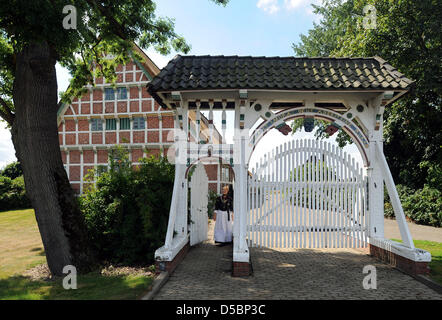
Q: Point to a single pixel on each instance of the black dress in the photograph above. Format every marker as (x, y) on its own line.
(224, 203)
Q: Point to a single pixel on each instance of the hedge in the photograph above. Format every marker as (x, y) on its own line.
(423, 206)
(127, 211)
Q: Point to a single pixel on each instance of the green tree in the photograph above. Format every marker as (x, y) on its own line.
(408, 36)
(32, 41)
(12, 170)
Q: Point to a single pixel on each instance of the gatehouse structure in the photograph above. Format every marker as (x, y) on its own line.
(304, 194)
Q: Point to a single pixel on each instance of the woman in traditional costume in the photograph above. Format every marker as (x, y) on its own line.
(224, 217)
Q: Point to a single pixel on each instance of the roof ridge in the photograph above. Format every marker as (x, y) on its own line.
(275, 57)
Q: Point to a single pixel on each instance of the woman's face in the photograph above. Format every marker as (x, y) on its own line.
(225, 190)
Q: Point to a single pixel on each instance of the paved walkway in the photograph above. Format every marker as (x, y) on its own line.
(288, 274)
(418, 232)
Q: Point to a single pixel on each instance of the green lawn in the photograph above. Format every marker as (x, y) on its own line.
(435, 248)
(21, 248)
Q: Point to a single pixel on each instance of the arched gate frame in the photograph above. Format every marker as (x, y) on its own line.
(358, 111)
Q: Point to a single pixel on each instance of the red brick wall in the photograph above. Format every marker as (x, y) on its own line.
(138, 136)
(83, 138)
(88, 156)
(153, 136)
(124, 137)
(212, 171)
(92, 105)
(97, 138)
(102, 156)
(83, 125)
(110, 138)
(136, 154)
(153, 123)
(74, 173)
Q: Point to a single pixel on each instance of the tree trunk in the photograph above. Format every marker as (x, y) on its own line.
(35, 138)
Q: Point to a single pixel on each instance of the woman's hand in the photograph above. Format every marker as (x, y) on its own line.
(214, 216)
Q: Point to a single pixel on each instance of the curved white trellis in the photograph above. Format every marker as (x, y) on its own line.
(358, 136)
(307, 193)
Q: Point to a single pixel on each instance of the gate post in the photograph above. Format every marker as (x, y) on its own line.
(241, 256)
(375, 192)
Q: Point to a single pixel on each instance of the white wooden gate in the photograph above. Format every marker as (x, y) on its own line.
(199, 188)
(307, 194)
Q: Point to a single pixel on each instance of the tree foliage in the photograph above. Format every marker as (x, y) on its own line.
(12, 170)
(408, 36)
(104, 36)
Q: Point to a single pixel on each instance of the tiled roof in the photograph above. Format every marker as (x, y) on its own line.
(277, 73)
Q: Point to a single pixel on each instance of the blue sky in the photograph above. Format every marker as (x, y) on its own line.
(243, 27)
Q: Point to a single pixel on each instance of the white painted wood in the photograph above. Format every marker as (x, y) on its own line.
(394, 197)
(198, 205)
(306, 194)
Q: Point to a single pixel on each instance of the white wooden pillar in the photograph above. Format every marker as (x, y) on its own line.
(240, 249)
(198, 122)
(181, 221)
(67, 162)
(63, 132)
(211, 103)
(224, 122)
(375, 181)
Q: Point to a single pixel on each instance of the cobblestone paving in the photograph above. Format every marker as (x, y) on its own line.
(287, 274)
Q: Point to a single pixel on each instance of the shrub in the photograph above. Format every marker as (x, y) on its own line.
(423, 206)
(126, 211)
(403, 192)
(13, 194)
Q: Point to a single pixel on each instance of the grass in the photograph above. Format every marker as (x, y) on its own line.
(435, 248)
(20, 242)
(21, 248)
(92, 286)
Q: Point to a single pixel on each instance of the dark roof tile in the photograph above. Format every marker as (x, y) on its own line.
(282, 73)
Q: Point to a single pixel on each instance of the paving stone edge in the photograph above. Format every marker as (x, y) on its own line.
(158, 283)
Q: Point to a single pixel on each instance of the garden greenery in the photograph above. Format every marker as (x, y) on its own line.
(423, 206)
(127, 209)
(12, 188)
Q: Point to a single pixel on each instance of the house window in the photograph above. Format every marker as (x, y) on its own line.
(121, 93)
(139, 123)
(96, 125)
(124, 124)
(111, 124)
(109, 94)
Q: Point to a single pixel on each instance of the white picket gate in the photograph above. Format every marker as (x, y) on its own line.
(199, 188)
(307, 194)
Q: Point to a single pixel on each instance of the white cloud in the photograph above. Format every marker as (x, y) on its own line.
(273, 6)
(293, 4)
(269, 6)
